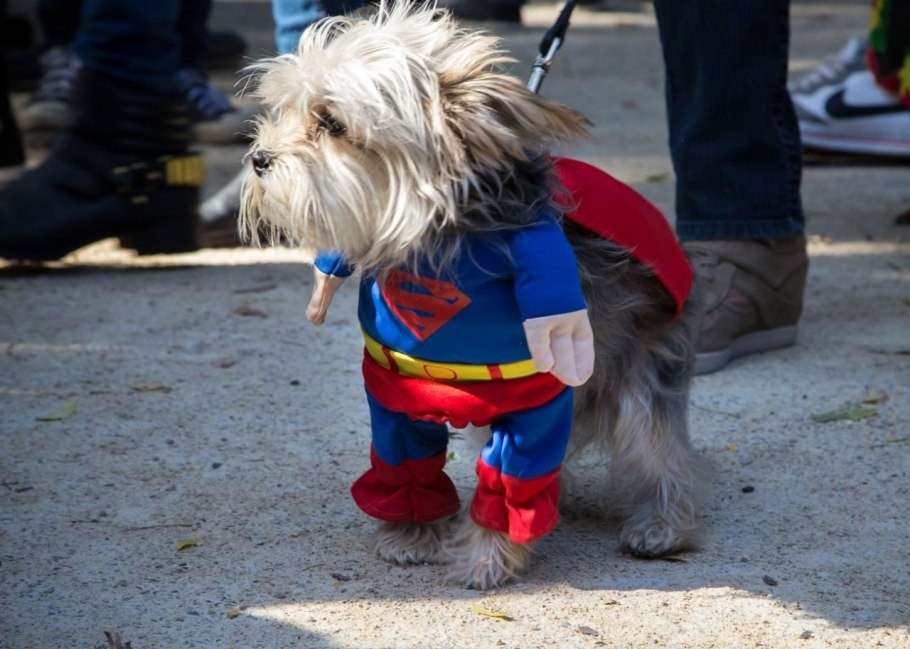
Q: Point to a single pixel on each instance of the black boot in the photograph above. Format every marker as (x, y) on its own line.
(502, 10)
(123, 170)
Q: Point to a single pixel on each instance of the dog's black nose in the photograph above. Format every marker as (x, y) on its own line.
(262, 160)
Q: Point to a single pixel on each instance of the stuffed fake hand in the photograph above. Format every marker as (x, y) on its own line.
(324, 288)
(563, 345)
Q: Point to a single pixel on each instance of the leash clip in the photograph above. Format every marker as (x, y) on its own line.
(549, 46)
(542, 64)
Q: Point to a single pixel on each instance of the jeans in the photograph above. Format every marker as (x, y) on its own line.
(132, 41)
(108, 23)
(11, 151)
(59, 20)
(293, 16)
(191, 25)
(734, 137)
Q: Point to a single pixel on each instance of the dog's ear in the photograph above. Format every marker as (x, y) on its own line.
(495, 113)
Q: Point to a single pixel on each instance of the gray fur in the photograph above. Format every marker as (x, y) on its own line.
(635, 405)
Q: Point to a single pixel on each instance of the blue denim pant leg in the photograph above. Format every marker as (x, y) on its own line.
(193, 32)
(293, 16)
(133, 41)
(59, 20)
(734, 138)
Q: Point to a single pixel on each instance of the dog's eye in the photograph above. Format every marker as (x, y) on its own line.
(332, 125)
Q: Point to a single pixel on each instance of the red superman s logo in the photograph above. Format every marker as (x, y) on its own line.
(422, 304)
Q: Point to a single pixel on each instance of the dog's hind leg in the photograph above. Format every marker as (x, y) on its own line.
(655, 476)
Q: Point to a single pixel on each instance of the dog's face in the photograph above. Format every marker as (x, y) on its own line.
(381, 130)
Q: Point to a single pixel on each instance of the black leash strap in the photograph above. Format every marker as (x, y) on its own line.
(549, 46)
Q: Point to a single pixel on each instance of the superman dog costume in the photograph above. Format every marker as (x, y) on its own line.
(452, 349)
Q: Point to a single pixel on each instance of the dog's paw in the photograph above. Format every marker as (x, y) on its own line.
(651, 539)
(479, 575)
(407, 544)
(482, 559)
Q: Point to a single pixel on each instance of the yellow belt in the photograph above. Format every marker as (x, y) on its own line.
(410, 366)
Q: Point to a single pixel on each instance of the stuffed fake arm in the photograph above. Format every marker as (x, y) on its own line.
(329, 273)
(555, 316)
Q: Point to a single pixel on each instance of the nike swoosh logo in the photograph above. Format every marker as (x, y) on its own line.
(836, 107)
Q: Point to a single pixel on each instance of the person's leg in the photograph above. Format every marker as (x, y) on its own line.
(59, 21)
(500, 10)
(131, 41)
(291, 18)
(122, 169)
(736, 152)
(191, 26)
(49, 108)
(733, 132)
(218, 121)
(406, 482)
(12, 154)
(866, 112)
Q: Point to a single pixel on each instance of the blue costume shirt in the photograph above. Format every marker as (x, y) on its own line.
(473, 312)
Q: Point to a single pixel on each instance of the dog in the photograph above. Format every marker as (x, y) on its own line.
(396, 140)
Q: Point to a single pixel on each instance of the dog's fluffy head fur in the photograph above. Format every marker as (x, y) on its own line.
(388, 136)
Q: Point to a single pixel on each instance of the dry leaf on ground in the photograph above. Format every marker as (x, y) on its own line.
(847, 413)
(151, 387)
(875, 396)
(64, 411)
(250, 312)
(185, 544)
(492, 613)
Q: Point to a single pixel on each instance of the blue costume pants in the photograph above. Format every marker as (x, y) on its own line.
(518, 470)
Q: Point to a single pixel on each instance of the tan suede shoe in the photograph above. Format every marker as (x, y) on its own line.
(750, 297)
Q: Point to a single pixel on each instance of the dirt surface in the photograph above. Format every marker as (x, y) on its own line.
(191, 405)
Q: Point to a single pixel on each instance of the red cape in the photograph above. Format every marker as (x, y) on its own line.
(615, 211)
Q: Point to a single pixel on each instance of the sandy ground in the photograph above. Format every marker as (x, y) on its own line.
(178, 418)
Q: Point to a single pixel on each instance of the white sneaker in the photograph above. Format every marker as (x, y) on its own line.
(855, 116)
(834, 69)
